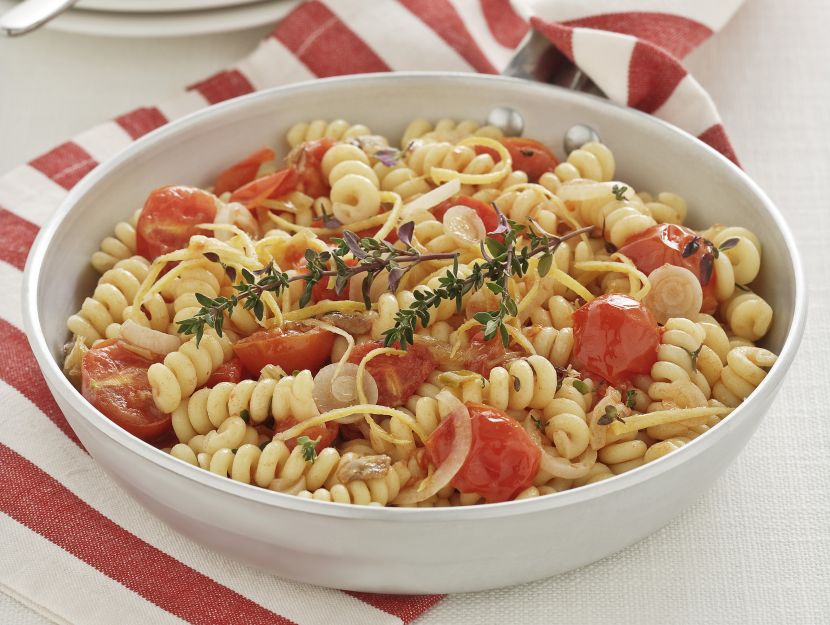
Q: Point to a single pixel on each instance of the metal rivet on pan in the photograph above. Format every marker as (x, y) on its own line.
(579, 135)
(508, 120)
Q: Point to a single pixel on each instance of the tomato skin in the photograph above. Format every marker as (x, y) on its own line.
(664, 244)
(327, 432)
(242, 172)
(615, 337)
(293, 349)
(114, 380)
(481, 355)
(502, 461)
(169, 218)
(231, 371)
(485, 212)
(531, 156)
(309, 158)
(397, 377)
(271, 186)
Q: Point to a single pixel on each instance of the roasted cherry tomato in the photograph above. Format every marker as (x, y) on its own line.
(481, 355)
(664, 244)
(615, 337)
(292, 347)
(327, 433)
(397, 377)
(242, 172)
(309, 158)
(271, 186)
(169, 218)
(502, 461)
(231, 371)
(532, 157)
(114, 380)
(321, 290)
(485, 212)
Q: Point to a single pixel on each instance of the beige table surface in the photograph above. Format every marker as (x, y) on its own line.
(756, 549)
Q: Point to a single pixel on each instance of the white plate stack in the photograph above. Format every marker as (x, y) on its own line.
(166, 18)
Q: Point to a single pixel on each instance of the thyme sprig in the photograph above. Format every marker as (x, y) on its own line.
(507, 252)
(503, 259)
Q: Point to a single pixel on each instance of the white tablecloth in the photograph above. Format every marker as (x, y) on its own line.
(756, 549)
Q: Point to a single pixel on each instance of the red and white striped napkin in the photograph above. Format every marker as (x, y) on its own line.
(74, 546)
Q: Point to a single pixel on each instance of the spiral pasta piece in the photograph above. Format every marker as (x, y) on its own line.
(748, 315)
(593, 161)
(525, 383)
(115, 291)
(745, 370)
(401, 180)
(186, 369)
(119, 246)
(555, 345)
(339, 130)
(523, 205)
(677, 356)
(447, 130)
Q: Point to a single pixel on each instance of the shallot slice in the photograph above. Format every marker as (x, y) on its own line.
(461, 445)
(147, 338)
(432, 198)
(464, 225)
(675, 292)
(332, 392)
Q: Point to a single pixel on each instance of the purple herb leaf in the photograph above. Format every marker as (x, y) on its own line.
(211, 256)
(707, 263)
(388, 156)
(395, 276)
(729, 244)
(353, 243)
(405, 233)
(691, 247)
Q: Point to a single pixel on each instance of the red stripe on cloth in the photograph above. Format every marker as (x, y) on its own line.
(653, 76)
(405, 607)
(65, 164)
(223, 86)
(445, 21)
(35, 499)
(16, 236)
(560, 36)
(716, 138)
(141, 121)
(675, 34)
(19, 369)
(325, 44)
(507, 26)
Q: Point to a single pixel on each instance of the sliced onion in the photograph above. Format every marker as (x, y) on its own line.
(234, 214)
(432, 198)
(147, 338)
(332, 392)
(675, 292)
(461, 445)
(464, 225)
(580, 190)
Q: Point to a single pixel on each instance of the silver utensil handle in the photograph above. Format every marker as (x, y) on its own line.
(31, 14)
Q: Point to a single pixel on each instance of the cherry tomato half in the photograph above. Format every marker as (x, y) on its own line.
(531, 156)
(502, 461)
(271, 186)
(242, 172)
(485, 212)
(664, 244)
(615, 337)
(114, 380)
(231, 371)
(326, 431)
(169, 218)
(397, 377)
(293, 348)
(309, 159)
(481, 355)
